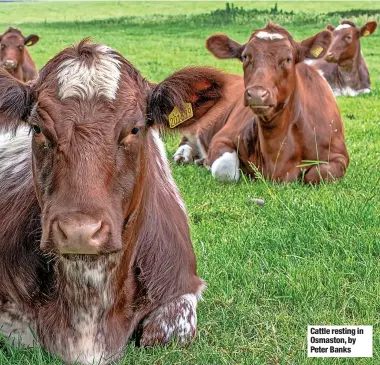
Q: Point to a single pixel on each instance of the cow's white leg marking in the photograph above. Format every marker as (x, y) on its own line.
(174, 320)
(184, 154)
(226, 167)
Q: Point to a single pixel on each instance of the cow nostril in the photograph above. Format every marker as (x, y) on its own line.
(264, 93)
(249, 93)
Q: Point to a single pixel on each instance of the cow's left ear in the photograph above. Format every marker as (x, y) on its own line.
(368, 29)
(182, 99)
(314, 47)
(32, 39)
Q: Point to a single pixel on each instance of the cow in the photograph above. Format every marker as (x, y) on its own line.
(280, 121)
(94, 242)
(14, 57)
(344, 67)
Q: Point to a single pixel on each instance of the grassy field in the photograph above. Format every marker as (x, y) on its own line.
(310, 255)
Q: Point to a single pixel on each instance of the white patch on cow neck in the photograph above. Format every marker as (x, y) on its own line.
(342, 26)
(226, 167)
(101, 78)
(310, 62)
(163, 164)
(268, 36)
(15, 153)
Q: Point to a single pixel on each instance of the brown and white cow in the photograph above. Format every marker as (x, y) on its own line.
(289, 126)
(14, 57)
(94, 238)
(344, 67)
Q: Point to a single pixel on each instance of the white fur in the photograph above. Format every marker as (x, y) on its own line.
(163, 164)
(183, 154)
(347, 91)
(226, 167)
(342, 26)
(76, 79)
(310, 62)
(268, 36)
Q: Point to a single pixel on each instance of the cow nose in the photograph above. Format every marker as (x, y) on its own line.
(80, 236)
(9, 63)
(329, 56)
(256, 96)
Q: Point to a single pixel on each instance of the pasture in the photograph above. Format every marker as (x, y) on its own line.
(310, 255)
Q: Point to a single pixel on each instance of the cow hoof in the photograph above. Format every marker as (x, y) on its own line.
(184, 154)
(226, 167)
(176, 320)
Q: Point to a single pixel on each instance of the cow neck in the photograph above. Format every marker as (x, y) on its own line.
(272, 134)
(17, 73)
(354, 74)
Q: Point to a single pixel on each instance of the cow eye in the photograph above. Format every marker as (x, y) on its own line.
(244, 58)
(135, 130)
(288, 60)
(36, 129)
(3, 46)
(20, 48)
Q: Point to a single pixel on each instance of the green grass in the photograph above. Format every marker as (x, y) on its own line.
(310, 255)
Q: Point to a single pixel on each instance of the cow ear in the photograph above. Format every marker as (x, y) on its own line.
(32, 39)
(221, 46)
(330, 27)
(15, 102)
(368, 29)
(314, 47)
(182, 99)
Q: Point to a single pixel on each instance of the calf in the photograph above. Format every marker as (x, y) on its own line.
(289, 127)
(14, 57)
(344, 67)
(94, 239)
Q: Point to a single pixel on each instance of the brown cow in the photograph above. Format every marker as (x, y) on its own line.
(289, 127)
(94, 239)
(14, 57)
(344, 67)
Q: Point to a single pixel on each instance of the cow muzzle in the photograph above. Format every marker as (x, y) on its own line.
(81, 234)
(331, 57)
(9, 64)
(258, 99)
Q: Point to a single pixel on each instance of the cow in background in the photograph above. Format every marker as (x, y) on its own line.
(289, 127)
(344, 66)
(14, 57)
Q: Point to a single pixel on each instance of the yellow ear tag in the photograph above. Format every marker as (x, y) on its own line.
(366, 32)
(177, 118)
(29, 43)
(316, 51)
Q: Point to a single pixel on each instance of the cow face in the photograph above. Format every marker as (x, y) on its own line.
(269, 59)
(88, 115)
(12, 44)
(346, 42)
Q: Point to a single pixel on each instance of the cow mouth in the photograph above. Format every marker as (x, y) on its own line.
(261, 109)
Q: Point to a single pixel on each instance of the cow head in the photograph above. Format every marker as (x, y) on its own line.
(12, 44)
(269, 59)
(346, 41)
(90, 113)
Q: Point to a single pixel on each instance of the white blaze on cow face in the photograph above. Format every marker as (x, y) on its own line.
(268, 36)
(342, 26)
(101, 78)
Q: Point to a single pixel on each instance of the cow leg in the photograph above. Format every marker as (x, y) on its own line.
(333, 170)
(175, 320)
(189, 149)
(224, 164)
(15, 326)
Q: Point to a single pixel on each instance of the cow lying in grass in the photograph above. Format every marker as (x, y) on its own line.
(344, 67)
(289, 127)
(14, 57)
(94, 239)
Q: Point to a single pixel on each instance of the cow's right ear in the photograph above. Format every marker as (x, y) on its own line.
(182, 99)
(32, 39)
(222, 46)
(330, 27)
(15, 102)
